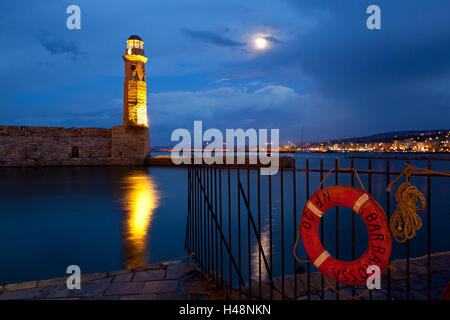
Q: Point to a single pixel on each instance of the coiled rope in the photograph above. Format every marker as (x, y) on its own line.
(405, 222)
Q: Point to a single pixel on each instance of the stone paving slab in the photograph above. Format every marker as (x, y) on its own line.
(150, 275)
(139, 297)
(94, 288)
(165, 286)
(125, 277)
(20, 294)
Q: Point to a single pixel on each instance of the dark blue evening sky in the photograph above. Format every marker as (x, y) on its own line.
(323, 69)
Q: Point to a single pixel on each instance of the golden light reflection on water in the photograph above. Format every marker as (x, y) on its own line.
(141, 198)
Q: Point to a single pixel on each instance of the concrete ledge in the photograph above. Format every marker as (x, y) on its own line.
(166, 161)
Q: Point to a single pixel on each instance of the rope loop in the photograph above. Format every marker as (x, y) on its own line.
(405, 222)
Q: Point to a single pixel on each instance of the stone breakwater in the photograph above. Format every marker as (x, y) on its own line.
(58, 146)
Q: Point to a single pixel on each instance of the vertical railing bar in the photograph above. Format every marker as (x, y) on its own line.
(407, 270)
(407, 265)
(229, 229)
(213, 229)
(205, 257)
(217, 226)
(352, 165)
(191, 234)
(196, 208)
(259, 228)
(206, 215)
(248, 235)
(336, 181)
(294, 204)
(322, 236)
(196, 253)
(282, 230)
(200, 218)
(210, 238)
(308, 267)
(211, 200)
(239, 224)
(193, 214)
(189, 231)
(270, 234)
(221, 226)
(196, 230)
(211, 195)
(188, 227)
(388, 215)
(205, 224)
(429, 231)
(208, 221)
(203, 220)
(194, 223)
(186, 237)
(370, 192)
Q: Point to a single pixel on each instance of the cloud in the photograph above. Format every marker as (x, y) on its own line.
(229, 108)
(212, 38)
(56, 47)
(386, 80)
(273, 39)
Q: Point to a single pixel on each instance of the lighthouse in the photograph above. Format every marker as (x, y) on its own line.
(130, 142)
(135, 87)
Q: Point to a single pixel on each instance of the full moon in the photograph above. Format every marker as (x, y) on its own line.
(260, 43)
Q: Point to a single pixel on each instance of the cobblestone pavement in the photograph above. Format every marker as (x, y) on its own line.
(178, 280)
(440, 278)
(173, 280)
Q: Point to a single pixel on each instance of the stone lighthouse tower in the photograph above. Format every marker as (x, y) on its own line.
(135, 88)
(130, 142)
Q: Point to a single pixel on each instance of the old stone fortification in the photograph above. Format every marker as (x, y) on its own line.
(128, 144)
(58, 146)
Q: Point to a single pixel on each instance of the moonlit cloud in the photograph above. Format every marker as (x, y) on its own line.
(212, 38)
(60, 46)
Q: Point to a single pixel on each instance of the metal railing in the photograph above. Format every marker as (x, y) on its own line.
(241, 226)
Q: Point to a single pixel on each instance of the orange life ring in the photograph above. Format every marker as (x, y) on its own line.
(380, 241)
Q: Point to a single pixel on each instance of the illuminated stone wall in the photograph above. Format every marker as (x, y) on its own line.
(129, 143)
(35, 146)
(58, 146)
(137, 103)
(135, 87)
